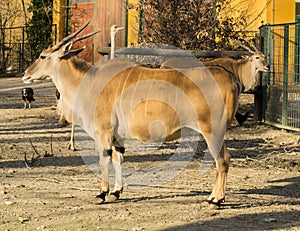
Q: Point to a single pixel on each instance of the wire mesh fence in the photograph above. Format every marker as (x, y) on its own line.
(281, 44)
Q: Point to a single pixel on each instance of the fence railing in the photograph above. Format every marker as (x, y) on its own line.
(281, 87)
(15, 52)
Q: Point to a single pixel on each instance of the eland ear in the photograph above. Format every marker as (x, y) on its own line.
(68, 54)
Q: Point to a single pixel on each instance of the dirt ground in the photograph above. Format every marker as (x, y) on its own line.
(57, 190)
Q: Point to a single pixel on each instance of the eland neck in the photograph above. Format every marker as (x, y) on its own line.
(68, 77)
(247, 74)
(243, 71)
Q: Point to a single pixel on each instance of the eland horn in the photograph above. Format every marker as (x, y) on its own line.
(69, 37)
(239, 43)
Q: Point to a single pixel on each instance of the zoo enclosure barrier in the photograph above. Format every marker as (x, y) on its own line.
(15, 52)
(281, 87)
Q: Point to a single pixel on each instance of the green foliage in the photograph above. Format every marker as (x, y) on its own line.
(191, 24)
(39, 27)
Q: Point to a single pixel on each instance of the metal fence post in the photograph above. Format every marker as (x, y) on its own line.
(258, 99)
(126, 23)
(285, 76)
(265, 32)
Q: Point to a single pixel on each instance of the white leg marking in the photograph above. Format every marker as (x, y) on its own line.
(117, 161)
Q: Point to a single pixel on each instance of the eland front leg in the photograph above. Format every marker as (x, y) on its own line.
(71, 145)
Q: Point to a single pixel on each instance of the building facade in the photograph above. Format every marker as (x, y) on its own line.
(70, 14)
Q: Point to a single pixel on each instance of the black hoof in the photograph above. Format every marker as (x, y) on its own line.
(213, 201)
(115, 195)
(72, 148)
(102, 196)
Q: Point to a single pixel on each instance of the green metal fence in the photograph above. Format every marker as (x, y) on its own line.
(281, 87)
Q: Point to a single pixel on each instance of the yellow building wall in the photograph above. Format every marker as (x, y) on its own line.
(281, 11)
(257, 13)
(254, 11)
(59, 18)
(264, 11)
(133, 22)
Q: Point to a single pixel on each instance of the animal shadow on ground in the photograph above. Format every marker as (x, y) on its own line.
(161, 153)
(291, 189)
(256, 221)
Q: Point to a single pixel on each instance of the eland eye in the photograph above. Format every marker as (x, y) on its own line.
(42, 56)
(257, 57)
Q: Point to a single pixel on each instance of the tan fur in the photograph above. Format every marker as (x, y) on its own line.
(147, 111)
(245, 70)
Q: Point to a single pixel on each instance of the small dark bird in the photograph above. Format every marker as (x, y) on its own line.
(241, 118)
(27, 96)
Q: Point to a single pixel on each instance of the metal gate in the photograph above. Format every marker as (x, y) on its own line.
(12, 49)
(15, 51)
(281, 87)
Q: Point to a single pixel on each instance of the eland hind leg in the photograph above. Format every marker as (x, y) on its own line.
(219, 151)
(103, 143)
(117, 160)
(110, 152)
(222, 162)
(105, 160)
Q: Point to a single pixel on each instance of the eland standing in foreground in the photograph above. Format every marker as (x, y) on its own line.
(122, 100)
